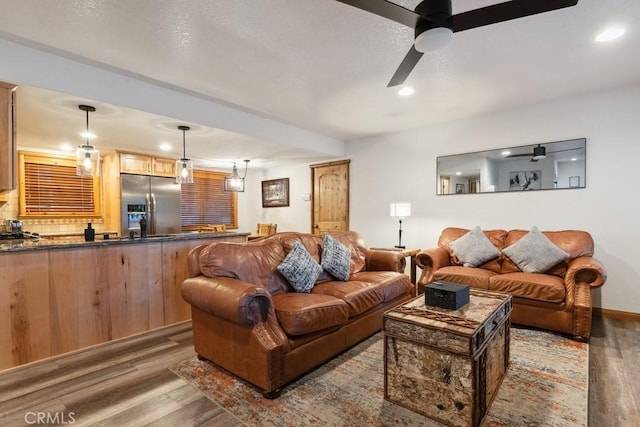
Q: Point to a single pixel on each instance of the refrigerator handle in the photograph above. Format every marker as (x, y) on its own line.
(153, 210)
(149, 215)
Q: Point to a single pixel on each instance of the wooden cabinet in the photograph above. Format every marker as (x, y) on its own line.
(135, 163)
(147, 165)
(8, 152)
(57, 300)
(163, 167)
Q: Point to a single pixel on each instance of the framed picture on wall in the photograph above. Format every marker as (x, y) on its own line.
(574, 181)
(459, 188)
(275, 193)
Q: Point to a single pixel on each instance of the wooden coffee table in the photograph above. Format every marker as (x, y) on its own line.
(447, 364)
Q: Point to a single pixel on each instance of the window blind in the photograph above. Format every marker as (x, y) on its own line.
(51, 187)
(205, 202)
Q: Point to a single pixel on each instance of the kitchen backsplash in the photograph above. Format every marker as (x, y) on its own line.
(44, 226)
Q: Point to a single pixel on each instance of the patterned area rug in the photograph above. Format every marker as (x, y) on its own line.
(546, 385)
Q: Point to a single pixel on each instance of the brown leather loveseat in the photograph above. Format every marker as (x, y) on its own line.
(559, 299)
(249, 320)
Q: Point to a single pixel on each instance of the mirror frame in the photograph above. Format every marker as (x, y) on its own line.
(514, 169)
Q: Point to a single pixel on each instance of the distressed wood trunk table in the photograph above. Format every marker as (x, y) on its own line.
(447, 364)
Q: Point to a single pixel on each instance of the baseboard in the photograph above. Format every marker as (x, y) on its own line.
(615, 314)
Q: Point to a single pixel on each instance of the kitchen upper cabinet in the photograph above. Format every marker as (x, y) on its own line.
(8, 152)
(163, 167)
(147, 165)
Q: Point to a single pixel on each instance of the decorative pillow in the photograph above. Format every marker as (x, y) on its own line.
(474, 248)
(335, 258)
(535, 253)
(299, 268)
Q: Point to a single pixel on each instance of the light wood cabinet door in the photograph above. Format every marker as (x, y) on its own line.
(164, 167)
(8, 156)
(135, 163)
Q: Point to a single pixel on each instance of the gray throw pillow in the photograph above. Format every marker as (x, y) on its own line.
(335, 258)
(474, 248)
(534, 252)
(299, 268)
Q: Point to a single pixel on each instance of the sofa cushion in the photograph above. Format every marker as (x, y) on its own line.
(391, 283)
(356, 245)
(539, 287)
(253, 262)
(299, 268)
(300, 314)
(335, 258)
(474, 277)
(359, 296)
(474, 248)
(535, 253)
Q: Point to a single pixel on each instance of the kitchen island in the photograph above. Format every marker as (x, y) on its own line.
(60, 296)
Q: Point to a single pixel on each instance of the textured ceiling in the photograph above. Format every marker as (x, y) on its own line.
(319, 65)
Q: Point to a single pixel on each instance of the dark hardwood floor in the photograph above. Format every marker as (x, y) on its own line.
(128, 383)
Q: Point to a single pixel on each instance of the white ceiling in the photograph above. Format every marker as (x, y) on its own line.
(319, 65)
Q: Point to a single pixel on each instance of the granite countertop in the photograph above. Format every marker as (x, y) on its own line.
(42, 243)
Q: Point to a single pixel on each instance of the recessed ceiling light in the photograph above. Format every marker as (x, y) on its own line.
(66, 147)
(458, 173)
(506, 153)
(406, 91)
(165, 147)
(573, 159)
(610, 34)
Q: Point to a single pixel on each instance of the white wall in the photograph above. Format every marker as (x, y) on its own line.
(401, 166)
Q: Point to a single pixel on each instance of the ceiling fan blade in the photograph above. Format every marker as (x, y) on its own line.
(518, 155)
(505, 12)
(386, 9)
(407, 64)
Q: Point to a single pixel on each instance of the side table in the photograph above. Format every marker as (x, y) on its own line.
(407, 253)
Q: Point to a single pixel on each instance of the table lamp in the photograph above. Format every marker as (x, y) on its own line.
(399, 211)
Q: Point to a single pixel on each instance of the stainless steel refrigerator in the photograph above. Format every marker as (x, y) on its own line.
(157, 198)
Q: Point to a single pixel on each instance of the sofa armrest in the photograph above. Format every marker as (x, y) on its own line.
(585, 269)
(380, 260)
(228, 298)
(430, 260)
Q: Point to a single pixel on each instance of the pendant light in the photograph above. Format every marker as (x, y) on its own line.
(87, 156)
(184, 166)
(234, 182)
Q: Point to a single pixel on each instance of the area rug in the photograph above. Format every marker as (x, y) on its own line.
(546, 385)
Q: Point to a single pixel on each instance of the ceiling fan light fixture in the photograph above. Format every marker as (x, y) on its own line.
(433, 39)
(539, 152)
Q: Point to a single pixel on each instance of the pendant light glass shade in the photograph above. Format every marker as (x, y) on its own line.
(184, 165)
(87, 156)
(235, 183)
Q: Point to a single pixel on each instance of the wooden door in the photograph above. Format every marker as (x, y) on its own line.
(135, 163)
(444, 184)
(330, 199)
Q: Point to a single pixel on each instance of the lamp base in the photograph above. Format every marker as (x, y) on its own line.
(400, 247)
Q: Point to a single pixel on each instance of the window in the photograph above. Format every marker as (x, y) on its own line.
(206, 203)
(50, 187)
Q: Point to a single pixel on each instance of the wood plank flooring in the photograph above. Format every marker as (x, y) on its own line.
(128, 383)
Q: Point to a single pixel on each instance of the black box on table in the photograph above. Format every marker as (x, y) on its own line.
(446, 295)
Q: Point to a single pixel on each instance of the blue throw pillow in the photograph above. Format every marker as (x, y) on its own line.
(299, 268)
(335, 258)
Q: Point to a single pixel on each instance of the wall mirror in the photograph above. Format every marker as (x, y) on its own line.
(546, 166)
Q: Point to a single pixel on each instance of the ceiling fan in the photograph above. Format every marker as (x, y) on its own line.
(539, 152)
(434, 24)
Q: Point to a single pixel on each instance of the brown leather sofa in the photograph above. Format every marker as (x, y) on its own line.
(558, 300)
(250, 321)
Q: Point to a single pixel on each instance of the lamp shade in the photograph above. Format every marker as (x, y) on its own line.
(87, 161)
(184, 171)
(400, 209)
